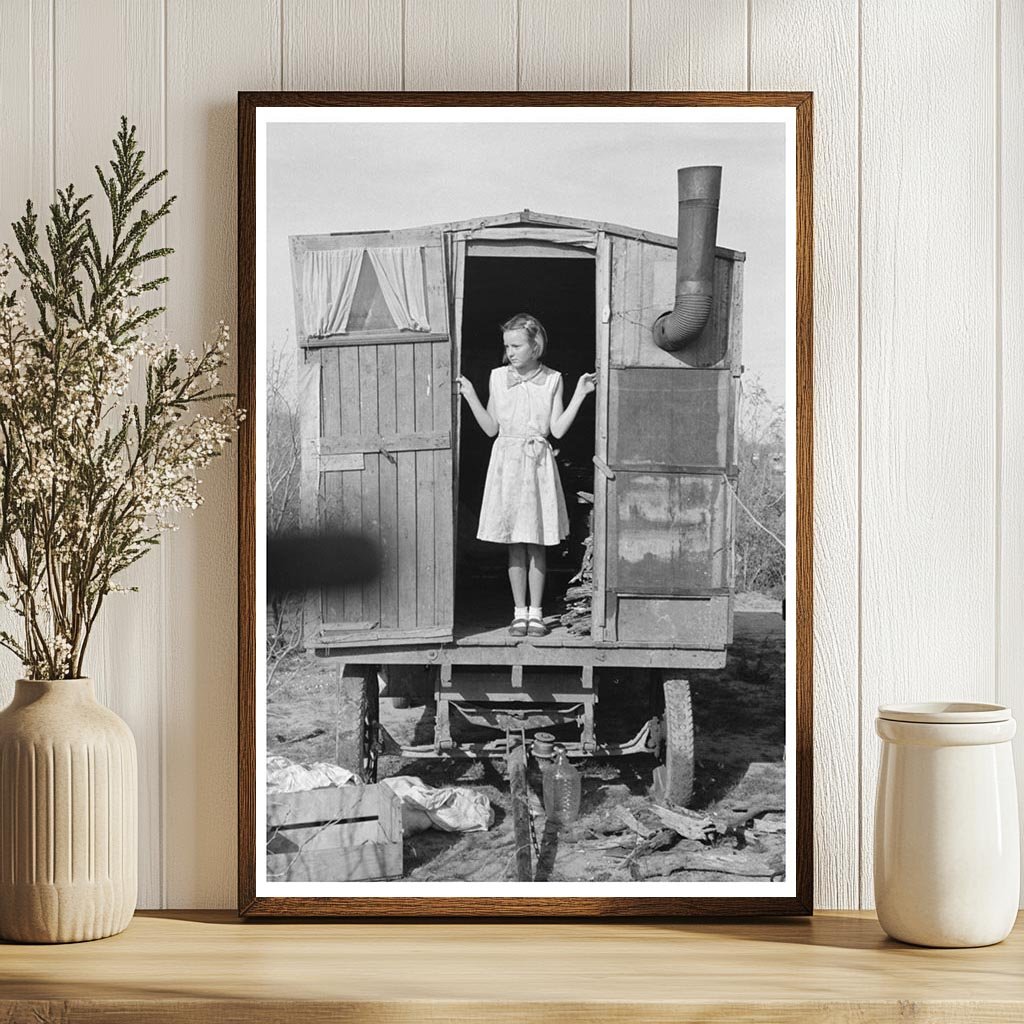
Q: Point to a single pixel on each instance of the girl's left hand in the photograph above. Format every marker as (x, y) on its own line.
(586, 384)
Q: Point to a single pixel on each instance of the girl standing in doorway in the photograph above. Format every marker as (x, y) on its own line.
(523, 505)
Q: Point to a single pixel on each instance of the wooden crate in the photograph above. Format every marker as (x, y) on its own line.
(335, 834)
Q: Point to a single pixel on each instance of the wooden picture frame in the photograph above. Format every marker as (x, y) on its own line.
(388, 899)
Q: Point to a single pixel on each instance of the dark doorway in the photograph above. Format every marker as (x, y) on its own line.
(560, 292)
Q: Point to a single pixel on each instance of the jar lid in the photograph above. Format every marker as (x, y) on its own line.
(945, 713)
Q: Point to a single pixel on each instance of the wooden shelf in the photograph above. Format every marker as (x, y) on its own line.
(210, 967)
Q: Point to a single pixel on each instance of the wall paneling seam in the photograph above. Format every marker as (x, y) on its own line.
(859, 305)
(53, 98)
(997, 268)
(750, 45)
(629, 45)
(519, 35)
(164, 620)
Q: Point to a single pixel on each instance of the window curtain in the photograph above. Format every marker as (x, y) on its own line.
(400, 273)
(328, 286)
(329, 279)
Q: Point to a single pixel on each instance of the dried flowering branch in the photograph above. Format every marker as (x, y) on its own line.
(89, 478)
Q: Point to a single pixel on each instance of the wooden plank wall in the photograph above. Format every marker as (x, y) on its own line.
(402, 500)
(918, 296)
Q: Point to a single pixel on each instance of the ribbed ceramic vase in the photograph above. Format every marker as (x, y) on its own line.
(947, 848)
(68, 815)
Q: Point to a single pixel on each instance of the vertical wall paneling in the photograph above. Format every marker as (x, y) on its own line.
(26, 106)
(927, 364)
(466, 45)
(26, 129)
(700, 44)
(1010, 256)
(213, 51)
(931, 558)
(573, 44)
(127, 665)
(778, 61)
(342, 44)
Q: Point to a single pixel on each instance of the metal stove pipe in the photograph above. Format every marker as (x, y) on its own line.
(699, 192)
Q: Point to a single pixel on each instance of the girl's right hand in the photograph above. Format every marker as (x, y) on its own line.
(466, 388)
(586, 385)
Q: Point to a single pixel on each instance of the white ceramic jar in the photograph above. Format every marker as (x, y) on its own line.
(947, 847)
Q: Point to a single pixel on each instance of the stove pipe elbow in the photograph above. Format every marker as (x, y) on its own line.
(699, 192)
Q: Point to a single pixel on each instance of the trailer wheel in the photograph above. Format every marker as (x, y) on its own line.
(358, 715)
(676, 777)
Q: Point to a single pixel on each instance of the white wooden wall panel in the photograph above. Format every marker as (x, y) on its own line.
(1010, 369)
(26, 164)
(342, 44)
(213, 51)
(698, 45)
(127, 666)
(928, 520)
(26, 102)
(919, 305)
(468, 44)
(573, 44)
(831, 72)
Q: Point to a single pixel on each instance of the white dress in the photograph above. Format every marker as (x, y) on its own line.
(523, 501)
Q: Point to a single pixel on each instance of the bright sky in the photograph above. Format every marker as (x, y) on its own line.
(354, 176)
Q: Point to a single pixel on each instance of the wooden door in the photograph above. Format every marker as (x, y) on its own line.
(380, 463)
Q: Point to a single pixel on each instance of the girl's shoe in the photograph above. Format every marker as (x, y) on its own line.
(518, 627)
(536, 627)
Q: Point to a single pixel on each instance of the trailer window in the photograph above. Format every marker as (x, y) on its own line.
(369, 310)
(363, 290)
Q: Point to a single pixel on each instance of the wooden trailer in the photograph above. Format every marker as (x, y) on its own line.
(385, 321)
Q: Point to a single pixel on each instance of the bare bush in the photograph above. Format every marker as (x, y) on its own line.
(761, 488)
(285, 619)
(284, 450)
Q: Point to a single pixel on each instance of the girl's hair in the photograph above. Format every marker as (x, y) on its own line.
(534, 331)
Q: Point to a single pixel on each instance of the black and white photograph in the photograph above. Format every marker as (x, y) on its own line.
(525, 494)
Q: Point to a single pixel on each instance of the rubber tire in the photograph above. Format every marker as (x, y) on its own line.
(358, 714)
(679, 759)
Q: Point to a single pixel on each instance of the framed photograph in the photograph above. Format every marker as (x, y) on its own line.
(525, 504)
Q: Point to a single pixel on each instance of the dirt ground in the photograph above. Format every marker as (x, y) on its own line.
(739, 724)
